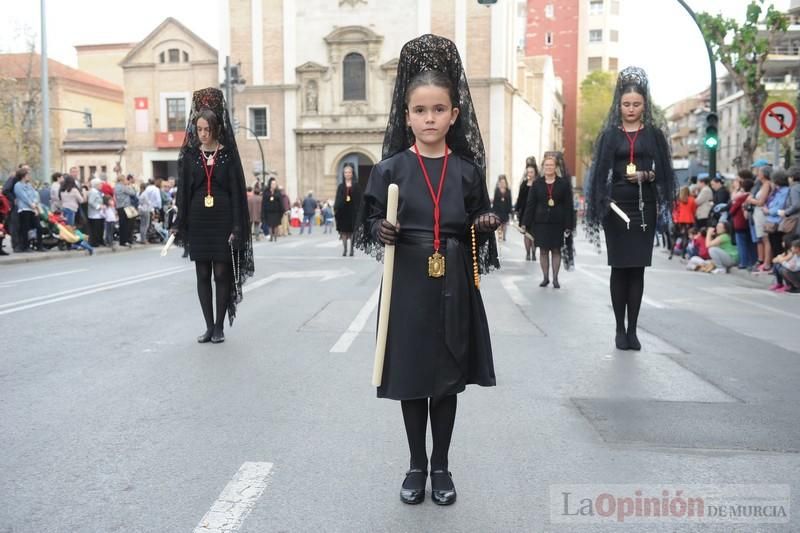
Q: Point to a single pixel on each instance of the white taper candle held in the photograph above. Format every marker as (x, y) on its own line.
(386, 289)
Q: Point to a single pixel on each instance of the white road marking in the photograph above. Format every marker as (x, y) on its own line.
(645, 299)
(357, 325)
(15, 281)
(79, 292)
(324, 275)
(510, 285)
(294, 244)
(750, 302)
(236, 500)
(329, 244)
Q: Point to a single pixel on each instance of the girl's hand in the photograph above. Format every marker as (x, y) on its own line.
(487, 222)
(387, 233)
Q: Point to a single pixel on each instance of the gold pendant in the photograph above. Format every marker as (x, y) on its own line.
(210, 161)
(630, 169)
(209, 201)
(551, 202)
(436, 265)
(271, 198)
(347, 199)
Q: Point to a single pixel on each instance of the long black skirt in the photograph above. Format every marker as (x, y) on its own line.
(438, 337)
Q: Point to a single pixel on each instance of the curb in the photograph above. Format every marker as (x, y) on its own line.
(21, 258)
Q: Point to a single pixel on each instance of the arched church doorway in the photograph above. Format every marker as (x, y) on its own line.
(363, 165)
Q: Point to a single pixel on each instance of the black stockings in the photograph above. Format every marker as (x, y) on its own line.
(443, 418)
(627, 289)
(223, 278)
(544, 259)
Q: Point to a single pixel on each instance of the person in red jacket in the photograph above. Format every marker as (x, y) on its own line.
(744, 244)
(683, 217)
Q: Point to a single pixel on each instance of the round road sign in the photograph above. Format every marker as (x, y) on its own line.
(779, 119)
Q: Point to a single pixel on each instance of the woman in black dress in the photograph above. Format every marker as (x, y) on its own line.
(632, 182)
(531, 173)
(438, 338)
(345, 206)
(549, 214)
(501, 204)
(272, 208)
(213, 218)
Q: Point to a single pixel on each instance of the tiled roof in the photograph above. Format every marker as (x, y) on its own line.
(16, 66)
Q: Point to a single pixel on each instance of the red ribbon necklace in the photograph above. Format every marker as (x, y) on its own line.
(435, 197)
(209, 170)
(632, 141)
(550, 187)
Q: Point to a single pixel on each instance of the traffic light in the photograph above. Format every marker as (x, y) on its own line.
(711, 139)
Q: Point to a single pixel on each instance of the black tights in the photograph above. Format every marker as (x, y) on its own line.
(443, 418)
(223, 278)
(544, 260)
(627, 289)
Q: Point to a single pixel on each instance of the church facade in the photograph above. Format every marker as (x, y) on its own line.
(320, 75)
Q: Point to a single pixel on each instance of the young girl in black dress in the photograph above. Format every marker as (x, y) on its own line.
(438, 337)
(632, 172)
(213, 218)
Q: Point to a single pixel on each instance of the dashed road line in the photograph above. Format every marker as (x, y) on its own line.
(236, 500)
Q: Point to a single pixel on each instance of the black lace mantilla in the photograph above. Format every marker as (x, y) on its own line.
(597, 188)
(432, 52)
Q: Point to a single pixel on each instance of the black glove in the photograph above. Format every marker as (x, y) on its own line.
(487, 222)
(388, 233)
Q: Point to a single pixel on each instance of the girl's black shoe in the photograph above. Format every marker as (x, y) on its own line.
(633, 341)
(205, 337)
(545, 282)
(443, 492)
(218, 336)
(413, 490)
(621, 340)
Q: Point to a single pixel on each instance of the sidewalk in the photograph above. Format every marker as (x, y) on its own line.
(55, 253)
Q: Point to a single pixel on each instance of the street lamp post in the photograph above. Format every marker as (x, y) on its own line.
(260, 149)
(45, 98)
(712, 153)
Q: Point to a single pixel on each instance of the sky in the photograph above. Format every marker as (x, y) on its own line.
(657, 35)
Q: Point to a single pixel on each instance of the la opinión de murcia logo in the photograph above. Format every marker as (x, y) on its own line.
(687, 503)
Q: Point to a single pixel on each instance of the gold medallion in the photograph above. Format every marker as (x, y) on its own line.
(348, 198)
(630, 169)
(209, 201)
(436, 265)
(551, 202)
(271, 198)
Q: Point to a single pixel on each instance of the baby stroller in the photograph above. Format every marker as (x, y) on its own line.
(45, 229)
(68, 237)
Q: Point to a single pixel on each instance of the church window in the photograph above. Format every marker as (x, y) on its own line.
(354, 77)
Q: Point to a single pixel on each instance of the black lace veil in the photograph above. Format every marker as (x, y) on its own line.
(242, 250)
(432, 52)
(598, 185)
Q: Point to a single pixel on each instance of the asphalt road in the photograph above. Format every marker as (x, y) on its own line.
(112, 418)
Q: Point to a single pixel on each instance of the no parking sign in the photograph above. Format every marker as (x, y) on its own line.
(779, 119)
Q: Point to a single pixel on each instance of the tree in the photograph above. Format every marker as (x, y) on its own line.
(743, 49)
(597, 92)
(20, 118)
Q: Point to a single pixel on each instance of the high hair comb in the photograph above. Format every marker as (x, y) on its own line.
(632, 75)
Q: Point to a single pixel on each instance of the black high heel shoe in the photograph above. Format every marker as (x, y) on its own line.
(556, 285)
(205, 337)
(545, 282)
(415, 492)
(443, 492)
(218, 336)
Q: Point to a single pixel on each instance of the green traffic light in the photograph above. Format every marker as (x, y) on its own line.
(711, 143)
